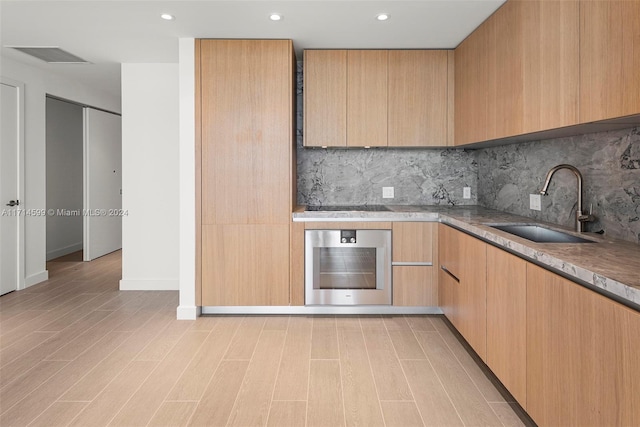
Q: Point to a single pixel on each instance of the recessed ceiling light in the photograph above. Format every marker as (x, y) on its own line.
(167, 17)
(275, 17)
(382, 16)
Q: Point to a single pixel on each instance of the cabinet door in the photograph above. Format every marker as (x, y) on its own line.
(325, 98)
(550, 51)
(245, 265)
(414, 285)
(536, 66)
(506, 320)
(418, 106)
(581, 354)
(472, 303)
(609, 59)
(507, 85)
(367, 81)
(463, 285)
(474, 80)
(448, 272)
(246, 131)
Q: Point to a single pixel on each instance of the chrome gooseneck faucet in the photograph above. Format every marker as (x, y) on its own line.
(580, 217)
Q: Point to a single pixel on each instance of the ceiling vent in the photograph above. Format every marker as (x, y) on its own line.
(52, 55)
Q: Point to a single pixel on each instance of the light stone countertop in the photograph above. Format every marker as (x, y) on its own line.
(610, 266)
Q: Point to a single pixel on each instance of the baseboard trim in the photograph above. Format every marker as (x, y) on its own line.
(184, 312)
(34, 279)
(317, 309)
(56, 253)
(149, 285)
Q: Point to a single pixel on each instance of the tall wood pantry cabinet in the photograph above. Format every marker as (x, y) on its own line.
(245, 151)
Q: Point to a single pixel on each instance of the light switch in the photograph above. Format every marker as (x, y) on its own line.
(466, 193)
(387, 193)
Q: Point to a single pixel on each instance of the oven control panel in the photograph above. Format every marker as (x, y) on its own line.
(348, 236)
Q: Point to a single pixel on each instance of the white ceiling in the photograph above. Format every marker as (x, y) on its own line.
(108, 33)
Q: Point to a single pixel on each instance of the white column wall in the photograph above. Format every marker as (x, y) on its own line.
(187, 308)
(150, 180)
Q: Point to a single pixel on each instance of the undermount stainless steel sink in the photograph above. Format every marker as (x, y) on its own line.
(538, 234)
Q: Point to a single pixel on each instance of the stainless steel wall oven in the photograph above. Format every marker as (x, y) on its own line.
(347, 267)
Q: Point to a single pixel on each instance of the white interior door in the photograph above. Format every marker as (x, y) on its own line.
(11, 217)
(102, 183)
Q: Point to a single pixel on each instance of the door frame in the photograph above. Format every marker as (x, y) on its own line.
(20, 177)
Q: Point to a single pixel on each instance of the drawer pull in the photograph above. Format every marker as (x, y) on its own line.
(443, 268)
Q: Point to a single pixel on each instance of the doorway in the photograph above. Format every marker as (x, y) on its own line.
(84, 180)
(64, 133)
(11, 185)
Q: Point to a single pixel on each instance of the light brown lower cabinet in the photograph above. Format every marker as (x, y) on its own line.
(570, 356)
(414, 285)
(463, 285)
(415, 243)
(507, 321)
(242, 262)
(583, 355)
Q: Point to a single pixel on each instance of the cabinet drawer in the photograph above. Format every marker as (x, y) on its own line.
(413, 242)
(414, 286)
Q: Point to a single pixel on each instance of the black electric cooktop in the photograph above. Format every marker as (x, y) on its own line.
(361, 208)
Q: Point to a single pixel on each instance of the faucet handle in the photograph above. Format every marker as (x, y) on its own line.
(587, 217)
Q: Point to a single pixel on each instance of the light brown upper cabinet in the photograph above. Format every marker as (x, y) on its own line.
(609, 59)
(367, 78)
(418, 98)
(244, 104)
(325, 98)
(377, 98)
(345, 98)
(518, 72)
(474, 79)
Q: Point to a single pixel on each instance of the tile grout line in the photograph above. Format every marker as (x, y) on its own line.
(344, 409)
(375, 384)
(436, 372)
(278, 370)
(306, 412)
(164, 399)
(70, 362)
(235, 402)
(222, 359)
(147, 377)
(402, 368)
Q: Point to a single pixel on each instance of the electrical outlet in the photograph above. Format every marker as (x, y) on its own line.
(466, 193)
(387, 193)
(535, 202)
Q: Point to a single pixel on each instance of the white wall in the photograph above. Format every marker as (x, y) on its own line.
(150, 138)
(37, 84)
(64, 176)
(187, 308)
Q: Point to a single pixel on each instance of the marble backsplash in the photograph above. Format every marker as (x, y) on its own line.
(608, 161)
(335, 176)
(356, 176)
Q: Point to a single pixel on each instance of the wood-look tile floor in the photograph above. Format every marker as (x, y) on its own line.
(76, 351)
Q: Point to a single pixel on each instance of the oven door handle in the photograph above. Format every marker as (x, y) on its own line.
(421, 264)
